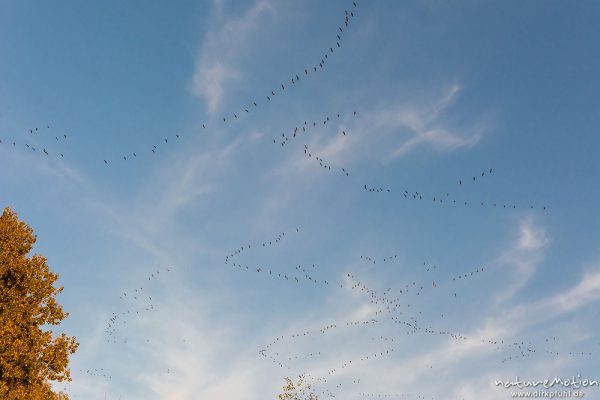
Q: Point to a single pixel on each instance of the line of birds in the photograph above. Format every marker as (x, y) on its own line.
(324, 164)
(522, 349)
(373, 261)
(306, 127)
(413, 328)
(294, 79)
(291, 276)
(322, 331)
(279, 358)
(154, 149)
(267, 243)
(96, 372)
(363, 358)
(474, 177)
(375, 189)
(449, 199)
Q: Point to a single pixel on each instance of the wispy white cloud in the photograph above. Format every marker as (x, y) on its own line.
(404, 126)
(171, 188)
(209, 81)
(418, 117)
(216, 62)
(439, 138)
(428, 125)
(524, 258)
(401, 127)
(522, 315)
(531, 236)
(186, 351)
(587, 291)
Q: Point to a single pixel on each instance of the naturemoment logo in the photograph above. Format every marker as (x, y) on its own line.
(575, 382)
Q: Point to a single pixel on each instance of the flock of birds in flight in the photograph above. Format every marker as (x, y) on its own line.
(136, 302)
(400, 307)
(298, 131)
(448, 198)
(34, 136)
(396, 306)
(280, 89)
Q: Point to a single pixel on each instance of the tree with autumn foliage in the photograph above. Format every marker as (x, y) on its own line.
(31, 357)
(299, 390)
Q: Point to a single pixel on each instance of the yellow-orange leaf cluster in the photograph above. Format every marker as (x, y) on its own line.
(301, 390)
(30, 357)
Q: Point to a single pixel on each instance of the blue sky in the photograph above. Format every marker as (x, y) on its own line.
(428, 94)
